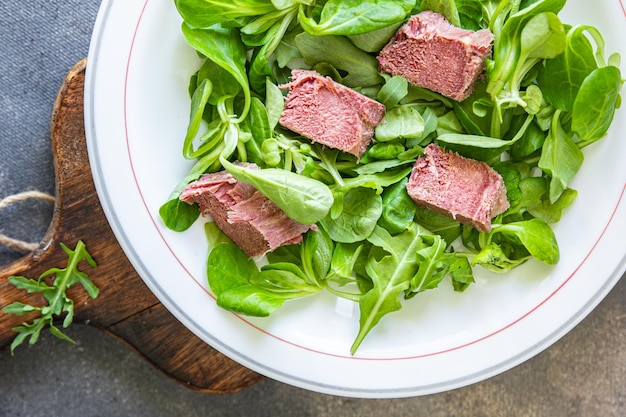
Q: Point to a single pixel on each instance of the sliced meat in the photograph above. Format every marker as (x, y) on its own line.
(330, 113)
(250, 219)
(464, 189)
(430, 52)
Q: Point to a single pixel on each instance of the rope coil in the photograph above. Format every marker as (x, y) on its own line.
(15, 244)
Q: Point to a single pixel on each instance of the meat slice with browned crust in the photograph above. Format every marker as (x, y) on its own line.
(430, 52)
(330, 113)
(244, 214)
(464, 189)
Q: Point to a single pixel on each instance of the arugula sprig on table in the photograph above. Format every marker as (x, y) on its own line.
(55, 295)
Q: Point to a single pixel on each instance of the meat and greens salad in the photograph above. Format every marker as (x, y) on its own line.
(542, 91)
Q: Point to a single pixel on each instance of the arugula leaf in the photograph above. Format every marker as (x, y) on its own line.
(391, 275)
(58, 302)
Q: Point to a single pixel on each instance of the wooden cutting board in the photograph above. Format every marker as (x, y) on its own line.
(125, 307)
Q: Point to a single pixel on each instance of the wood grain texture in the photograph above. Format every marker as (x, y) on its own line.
(125, 308)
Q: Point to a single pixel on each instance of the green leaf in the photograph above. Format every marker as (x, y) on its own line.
(178, 215)
(199, 101)
(19, 309)
(361, 67)
(551, 212)
(447, 8)
(223, 46)
(284, 279)
(205, 13)
(432, 265)
(543, 37)
(493, 258)
(481, 148)
(391, 276)
(58, 333)
(303, 199)
(536, 236)
(595, 103)
(561, 77)
(316, 254)
(228, 273)
(398, 208)
(30, 285)
(394, 90)
(58, 302)
(560, 158)
(274, 103)
(401, 122)
(352, 17)
(362, 207)
(447, 228)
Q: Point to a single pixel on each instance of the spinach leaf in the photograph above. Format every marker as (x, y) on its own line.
(376, 181)
(551, 212)
(199, 101)
(178, 215)
(595, 103)
(560, 78)
(206, 13)
(362, 207)
(374, 40)
(352, 17)
(400, 122)
(228, 273)
(517, 49)
(560, 158)
(240, 287)
(482, 148)
(447, 8)
(338, 51)
(398, 208)
(224, 47)
(303, 199)
(344, 259)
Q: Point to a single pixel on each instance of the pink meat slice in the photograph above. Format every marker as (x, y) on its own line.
(464, 189)
(245, 215)
(330, 113)
(430, 52)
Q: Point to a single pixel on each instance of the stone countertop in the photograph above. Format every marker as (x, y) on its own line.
(583, 374)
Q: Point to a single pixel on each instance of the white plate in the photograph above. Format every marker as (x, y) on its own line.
(136, 115)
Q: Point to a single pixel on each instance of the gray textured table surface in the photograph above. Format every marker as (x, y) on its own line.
(583, 374)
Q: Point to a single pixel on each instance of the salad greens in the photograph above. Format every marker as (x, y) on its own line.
(549, 91)
(55, 294)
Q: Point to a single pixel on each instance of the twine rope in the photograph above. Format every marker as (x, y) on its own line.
(15, 244)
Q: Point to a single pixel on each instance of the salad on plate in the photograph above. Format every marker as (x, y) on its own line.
(376, 149)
